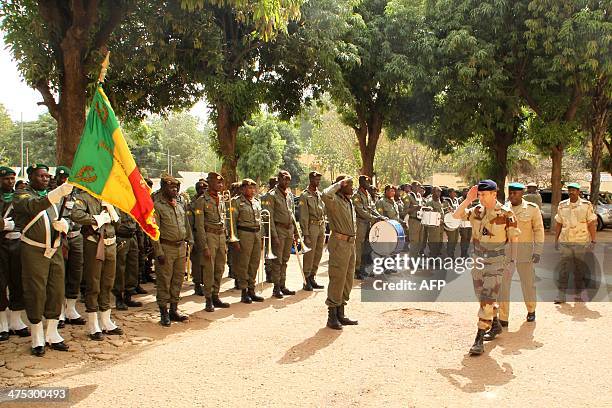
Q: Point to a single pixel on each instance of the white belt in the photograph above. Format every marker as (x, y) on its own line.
(107, 241)
(73, 234)
(13, 235)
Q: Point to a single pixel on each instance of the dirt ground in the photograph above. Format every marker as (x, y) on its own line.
(279, 353)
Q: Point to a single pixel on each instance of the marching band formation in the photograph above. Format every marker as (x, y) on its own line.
(58, 242)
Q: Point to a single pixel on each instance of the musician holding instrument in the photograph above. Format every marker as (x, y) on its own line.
(415, 228)
(312, 223)
(197, 272)
(341, 246)
(280, 205)
(246, 221)
(263, 198)
(434, 232)
(450, 205)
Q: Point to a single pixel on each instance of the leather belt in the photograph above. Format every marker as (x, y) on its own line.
(248, 229)
(107, 241)
(491, 254)
(171, 243)
(214, 229)
(282, 225)
(342, 237)
(73, 234)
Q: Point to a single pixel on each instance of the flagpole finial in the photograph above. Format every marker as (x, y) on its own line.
(104, 67)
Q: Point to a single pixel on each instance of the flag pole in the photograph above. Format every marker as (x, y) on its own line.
(104, 68)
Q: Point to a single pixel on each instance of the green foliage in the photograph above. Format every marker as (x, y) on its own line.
(291, 152)
(263, 153)
(39, 138)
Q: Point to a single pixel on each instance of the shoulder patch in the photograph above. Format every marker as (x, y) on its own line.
(531, 204)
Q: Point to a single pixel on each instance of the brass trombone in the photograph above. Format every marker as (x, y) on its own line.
(266, 247)
(226, 196)
(303, 247)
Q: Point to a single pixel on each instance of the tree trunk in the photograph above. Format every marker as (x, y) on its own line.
(368, 134)
(556, 154)
(598, 125)
(502, 142)
(227, 132)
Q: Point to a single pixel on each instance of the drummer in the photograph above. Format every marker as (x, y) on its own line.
(450, 204)
(415, 229)
(434, 233)
(387, 206)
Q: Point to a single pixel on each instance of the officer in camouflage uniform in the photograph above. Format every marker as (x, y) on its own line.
(126, 277)
(341, 246)
(246, 221)
(494, 226)
(197, 273)
(37, 217)
(99, 260)
(415, 228)
(10, 262)
(366, 216)
(433, 235)
(312, 223)
(387, 206)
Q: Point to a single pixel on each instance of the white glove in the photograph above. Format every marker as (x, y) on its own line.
(101, 219)
(69, 205)
(9, 224)
(55, 195)
(111, 211)
(61, 225)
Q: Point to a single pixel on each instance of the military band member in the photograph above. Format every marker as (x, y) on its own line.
(341, 246)
(433, 235)
(10, 262)
(235, 191)
(271, 184)
(366, 216)
(465, 230)
(99, 260)
(575, 234)
(126, 277)
(312, 223)
(530, 245)
(533, 195)
(197, 272)
(450, 204)
(387, 206)
(280, 204)
(37, 217)
(415, 228)
(246, 222)
(494, 226)
(209, 213)
(171, 249)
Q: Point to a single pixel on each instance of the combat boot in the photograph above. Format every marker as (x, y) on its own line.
(276, 292)
(119, 303)
(307, 286)
(175, 315)
(127, 297)
(345, 321)
(209, 305)
(140, 290)
(286, 291)
(245, 298)
(198, 290)
(218, 303)
(332, 319)
(494, 331)
(254, 296)
(478, 346)
(314, 283)
(164, 317)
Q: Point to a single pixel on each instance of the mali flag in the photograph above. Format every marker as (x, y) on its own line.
(104, 166)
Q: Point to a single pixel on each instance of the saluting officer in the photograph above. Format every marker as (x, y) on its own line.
(387, 206)
(366, 216)
(312, 223)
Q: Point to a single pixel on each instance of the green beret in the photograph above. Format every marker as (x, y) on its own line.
(6, 171)
(212, 175)
(515, 186)
(36, 166)
(62, 170)
(487, 185)
(248, 182)
(574, 185)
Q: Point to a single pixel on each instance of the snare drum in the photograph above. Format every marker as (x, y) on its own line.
(431, 218)
(387, 237)
(451, 223)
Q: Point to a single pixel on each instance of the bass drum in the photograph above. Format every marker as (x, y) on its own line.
(451, 223)
(387, 237)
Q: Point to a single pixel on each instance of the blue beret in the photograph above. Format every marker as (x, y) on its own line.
(515, 186)
(487, 185)
(574, 185)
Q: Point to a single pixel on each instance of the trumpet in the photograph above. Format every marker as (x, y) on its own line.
(303, 247)
(267, 237)
(227, 198)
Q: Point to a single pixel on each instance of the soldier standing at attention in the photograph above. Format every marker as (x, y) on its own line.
(37, 217)
(209, 213)
(387, 206)
(246, 220)
(197, 273)
(366, 216)
(126, 278)
(415, 228)
(465, 230)
(494, 227)
(10, 262)
(530, 245)
(532, 195)
(171, 250)
(433, 235)
(271, 184)
(450, 204)
(341, 246)
(575, 230)
(312, 223)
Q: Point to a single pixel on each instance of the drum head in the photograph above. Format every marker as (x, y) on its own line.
(386, 237)
(451, 223)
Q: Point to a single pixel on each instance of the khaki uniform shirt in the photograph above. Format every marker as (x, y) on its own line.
(27, 204)
(364, 207)
(492, 229)
(280, 206)
(415, 202)
(575, 218)
(340, 211)
(85, 207)
(245, 212)
(127, 226)
(173, 223)
(312, 210)
(207, 212)
(534, 198)
(531, 238)
(388, 208)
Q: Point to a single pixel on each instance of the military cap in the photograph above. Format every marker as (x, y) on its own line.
(516, 186)
(416, 183)
(573, 185)
(389, 187)
(487, 185)
(169, 180)
(62, 170)
(532, 184)
(248, 182)
(36, 166)
(284, 173)
(314, 174)
(6, 171)
(363, 177)
(201, 183)
(213, 176)
(341, 177)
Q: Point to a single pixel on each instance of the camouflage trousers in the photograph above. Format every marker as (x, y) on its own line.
(487, 284)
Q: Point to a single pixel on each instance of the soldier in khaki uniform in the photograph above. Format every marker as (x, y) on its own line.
(530, 245)
(197, 272)
(341, 246)
(415, 228)
(280, 204)
(171, 249)
(37, 217)
(387, 206)
(575, 230)
(209, 214)
(366, 216)
(263, 198)
(465, 230)
(126, 278)
(450, 204)
(433, 235)
(10, 262)
(100, 261)
(246, 222)
(532, 195)
(312, 223)
(494, 226)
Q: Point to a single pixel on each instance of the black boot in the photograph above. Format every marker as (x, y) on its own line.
(198, 290)
(314, 283)
(140, 290)
(4, 336)
(129, 302)
(345, 321)
(307, 286)
(209, 305)
(119, 303)
(218, 303)
(478, 346)
(245, 298)
(175, 315)
(531, 317)
(276, 292)
(61, 346)
(254, 296)
(332, 319)
(164, 316)
(496, 329)
(38, 351)
(286, 291)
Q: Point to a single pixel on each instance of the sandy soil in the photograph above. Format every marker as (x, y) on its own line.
(279, 353)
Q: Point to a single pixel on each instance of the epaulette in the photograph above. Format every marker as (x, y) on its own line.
(531, 204)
